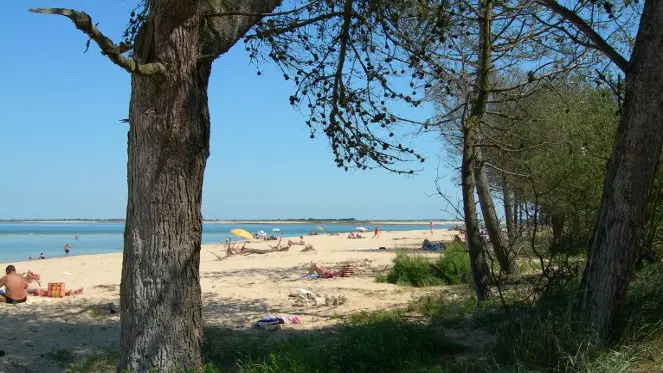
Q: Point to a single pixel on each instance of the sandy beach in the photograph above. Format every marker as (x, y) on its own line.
(237, 291)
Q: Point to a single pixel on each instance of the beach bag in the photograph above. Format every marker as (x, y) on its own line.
(56, 289)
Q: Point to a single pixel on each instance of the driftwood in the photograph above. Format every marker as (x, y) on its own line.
(234, 251)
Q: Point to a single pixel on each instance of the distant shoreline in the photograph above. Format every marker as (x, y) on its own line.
(293, 221)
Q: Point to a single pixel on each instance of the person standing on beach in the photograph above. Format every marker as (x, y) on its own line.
(66, 249)
(431, 226)
(377, 232)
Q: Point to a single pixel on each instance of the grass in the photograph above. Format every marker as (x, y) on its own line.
(448, 333)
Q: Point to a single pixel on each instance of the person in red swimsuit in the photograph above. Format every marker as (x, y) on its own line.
(377, 232)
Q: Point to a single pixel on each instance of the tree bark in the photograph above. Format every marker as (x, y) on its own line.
(161, 305)
(516, 210)
(475, 243)
(492, 222)
(629, 178)
(508, 210)
(557, 225)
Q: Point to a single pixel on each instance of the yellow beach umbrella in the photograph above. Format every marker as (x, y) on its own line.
(321, 228)
(242, 233)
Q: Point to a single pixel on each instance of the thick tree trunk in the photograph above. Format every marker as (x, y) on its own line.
(508, 210)
(629, 178)
(492, 222)
(161, 305)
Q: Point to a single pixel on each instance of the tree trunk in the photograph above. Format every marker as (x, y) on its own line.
(629, 178)
(161, 305)
(474, 241)
(557, 225)
(516, 209)
(492, 222)
(508, 211)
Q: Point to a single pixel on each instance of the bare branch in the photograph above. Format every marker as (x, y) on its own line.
(114, 52)
(601, 44)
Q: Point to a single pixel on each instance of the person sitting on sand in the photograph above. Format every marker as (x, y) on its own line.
(300, 242)
(15, 286)
(352, 236)
(322, 272)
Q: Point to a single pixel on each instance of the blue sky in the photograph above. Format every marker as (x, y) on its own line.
(64, 149)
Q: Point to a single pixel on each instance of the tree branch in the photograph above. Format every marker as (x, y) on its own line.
(114, 52)
(601, 44)
(249, 14)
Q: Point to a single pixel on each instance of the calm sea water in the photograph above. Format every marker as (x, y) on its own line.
(18, 241)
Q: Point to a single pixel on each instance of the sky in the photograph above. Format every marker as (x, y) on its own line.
(64, 148)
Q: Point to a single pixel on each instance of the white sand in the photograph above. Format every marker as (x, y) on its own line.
(236, 293)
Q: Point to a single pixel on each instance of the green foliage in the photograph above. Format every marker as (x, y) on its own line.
(566, 137)
(454, 265)
(413, 270)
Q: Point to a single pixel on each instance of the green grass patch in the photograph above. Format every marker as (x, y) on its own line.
(367, 342)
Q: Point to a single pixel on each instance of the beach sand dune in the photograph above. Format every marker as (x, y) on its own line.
(237, 291)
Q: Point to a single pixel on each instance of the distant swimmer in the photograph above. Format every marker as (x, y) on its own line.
(66, 249)
(76, 237)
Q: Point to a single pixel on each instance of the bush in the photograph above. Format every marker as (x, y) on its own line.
(413, 270)
(454, 265)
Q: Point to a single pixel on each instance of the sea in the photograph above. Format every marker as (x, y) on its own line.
(21, 240)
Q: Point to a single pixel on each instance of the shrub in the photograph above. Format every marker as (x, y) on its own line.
(413, 270)
(454, 265)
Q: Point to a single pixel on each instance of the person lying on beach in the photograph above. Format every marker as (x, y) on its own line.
(42, 292)
(353, 236)
(322, 272)
(432, 246)
(300, 242)
(15, 286)
(36, 289)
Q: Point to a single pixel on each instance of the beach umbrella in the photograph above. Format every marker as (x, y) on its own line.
(321, 228)
(242, 233)
(362, 229)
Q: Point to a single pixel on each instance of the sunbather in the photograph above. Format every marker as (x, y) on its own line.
(300, 242)
(34, 286)
(432, 246)
(39, 292)
(322, 272)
